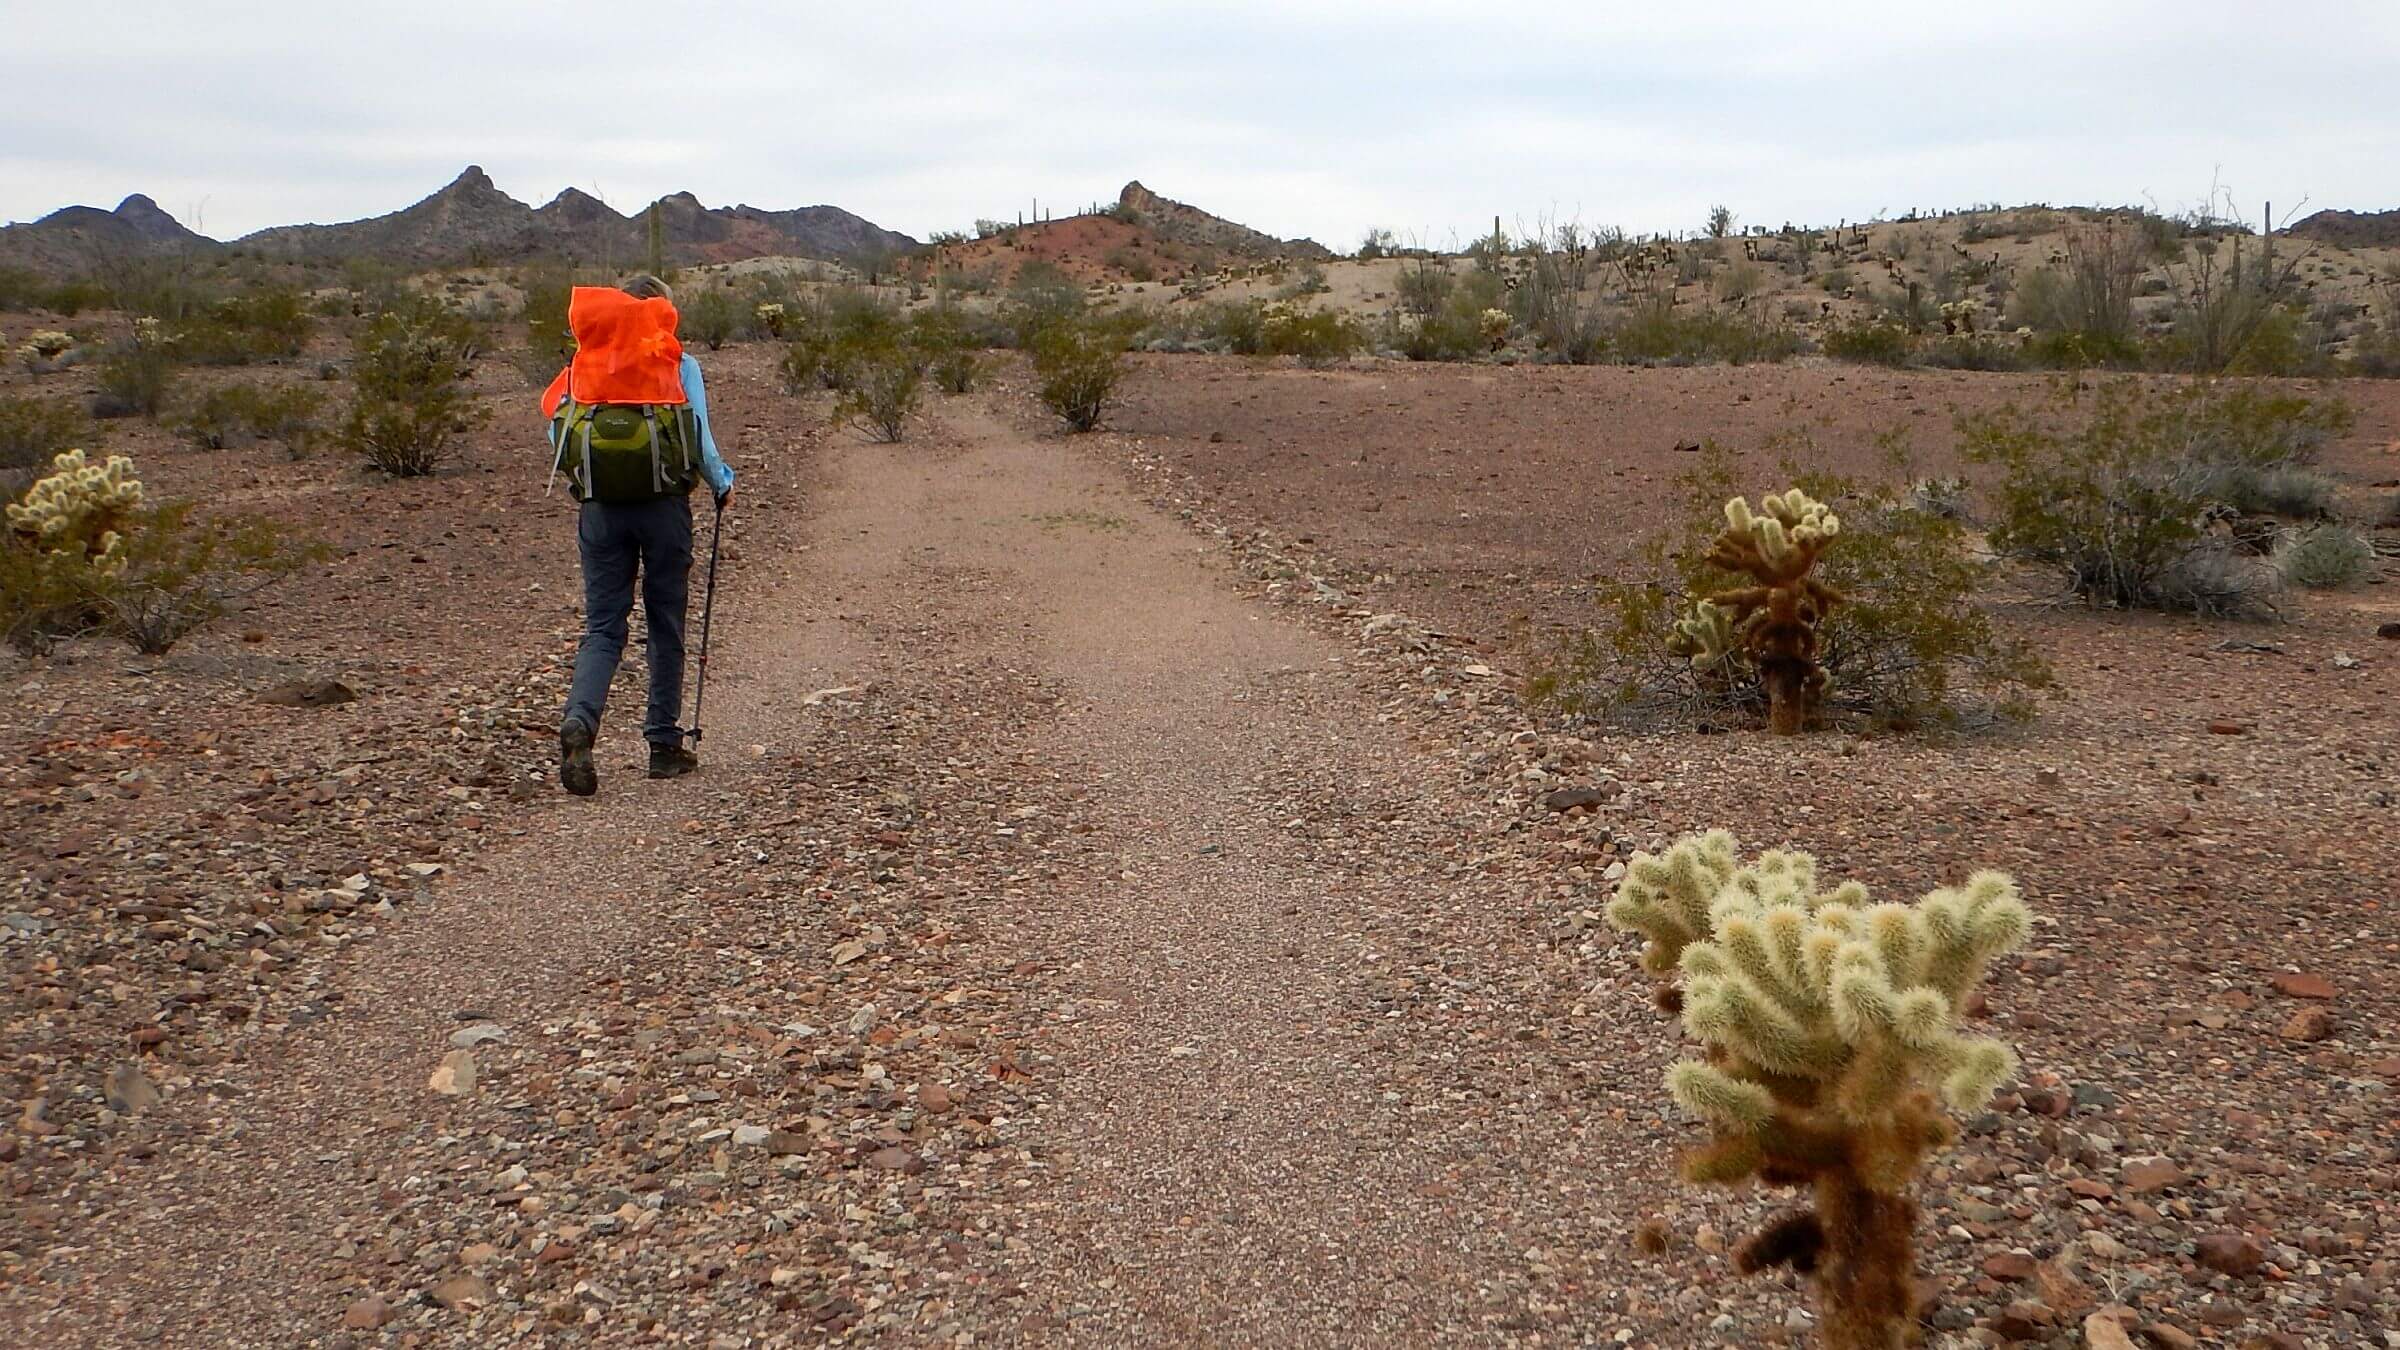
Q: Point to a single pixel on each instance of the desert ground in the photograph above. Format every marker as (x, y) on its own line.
(1099, 923)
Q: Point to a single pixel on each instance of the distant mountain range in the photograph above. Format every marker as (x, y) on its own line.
(468, 222)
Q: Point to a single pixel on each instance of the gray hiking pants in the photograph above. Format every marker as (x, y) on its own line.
(620, 540)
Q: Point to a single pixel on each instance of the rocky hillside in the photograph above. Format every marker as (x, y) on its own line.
(2351, 229)
(1177, 222)
(73, 238)
(472, 220)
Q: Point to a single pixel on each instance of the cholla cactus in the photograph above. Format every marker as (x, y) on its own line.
(1832, 1044)
(770, 317)
(1276, 319)
(1495, 324)
(48, 345)
(80, 510)
(1776, 620)
(1959, 316)
(1707, 638)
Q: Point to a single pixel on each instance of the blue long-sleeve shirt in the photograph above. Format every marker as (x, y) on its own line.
(712, 464)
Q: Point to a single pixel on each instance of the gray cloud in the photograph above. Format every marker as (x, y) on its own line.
(1320, 119)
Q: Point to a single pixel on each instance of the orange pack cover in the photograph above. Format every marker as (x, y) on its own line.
(625, 351)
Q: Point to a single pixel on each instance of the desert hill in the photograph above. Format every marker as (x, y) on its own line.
(470, 220)
(2351, 229)
(75, 237)
(1146, 238)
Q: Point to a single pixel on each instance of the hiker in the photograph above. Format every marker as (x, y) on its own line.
(629, 431)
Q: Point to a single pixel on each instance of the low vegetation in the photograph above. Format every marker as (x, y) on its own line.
(1077, 366)
(409, 365)
(235, 414)
(2135, 498)
(1881, 629)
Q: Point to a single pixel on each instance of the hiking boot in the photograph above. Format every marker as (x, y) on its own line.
(672, 761)
(575, 771)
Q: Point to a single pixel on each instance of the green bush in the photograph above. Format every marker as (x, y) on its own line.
(1042, 297)
(2080, 350)
(32, 430)
(1972, 352)
(883, 385)
(1871, 341)
(1659, 332)
(713, 317)
(137, 374)
(2120, 499)
(1908, 646)
(237, 412)
(1077, 366)
(271, 323)
(1315, 336)
(944, 346)
(409, 366)
(2325, 557)
(183, 570)
(2275, 491)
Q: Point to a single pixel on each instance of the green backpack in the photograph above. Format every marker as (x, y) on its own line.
(620, 452)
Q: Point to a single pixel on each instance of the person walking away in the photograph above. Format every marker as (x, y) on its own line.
(629, 432)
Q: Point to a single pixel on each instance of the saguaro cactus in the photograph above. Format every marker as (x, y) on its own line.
(1775, 621)
(1832, 1045)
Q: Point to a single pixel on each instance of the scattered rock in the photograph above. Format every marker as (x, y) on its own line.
(2012, 1266)
(2236, 1254)
(308, 694)
(461, 1291)
(128, 1091)
(367, 1314)
(467, 1038)
(2308, 1024)
(2103, 1332)
(2293, 984)
(455, 1075)
(2142, 1176)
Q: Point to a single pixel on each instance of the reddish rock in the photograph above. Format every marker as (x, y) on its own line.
(2228, 728)
(2167, 1337)
(2143, 1176)
(2293, 984)
(935, 1098)
(2236, 1254)
(367, 1314)
(2009, 1266)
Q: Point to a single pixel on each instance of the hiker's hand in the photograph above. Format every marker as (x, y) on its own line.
(725, 499)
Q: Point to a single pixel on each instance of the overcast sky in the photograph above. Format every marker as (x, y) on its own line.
(1318, 119)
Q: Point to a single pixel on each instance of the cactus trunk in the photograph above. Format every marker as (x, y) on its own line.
(1866, 1278)
(1787, 698)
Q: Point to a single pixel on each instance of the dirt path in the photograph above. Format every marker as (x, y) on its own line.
(1252, 1121)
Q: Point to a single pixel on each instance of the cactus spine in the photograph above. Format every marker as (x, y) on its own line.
(1775, 621)
(1832, 1045)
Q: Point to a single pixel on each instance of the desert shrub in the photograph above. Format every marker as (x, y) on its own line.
(1871, 341)
(2278, 490)
(33, 430)
(1906, 646)
(1740, 282)
(1972, 352)
(712, 318)
(21, 288)
(2075, 350)
(271, 323)
(945, 347)
(807, 364)
(1451, 333)
(2324, 557)
(137, 374)
(85, 552)
(182, 570)
(2230, 311)
(883, 383)
(1315, 336)
(2122, 500)
(229, 415)
(1077, 366)
(1043, 296)
(409, 367)
(1236, 326)
(1659, 332)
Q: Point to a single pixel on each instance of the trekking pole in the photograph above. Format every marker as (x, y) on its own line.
(708, 611)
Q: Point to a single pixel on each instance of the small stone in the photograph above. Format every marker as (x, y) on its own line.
(751, 1136)
(2293, 984)
(2236, 1254)
(128, 1091)
(2169, 1337)
(2388, 631)
(2012, 1266)
(467, 1038)
(2308, 1024)
(2142, 1176)
(367, 1314)
(895, 1159)
(935, 1098)
(308, 694)
(2225, 728)
(461, 1291)
(455, 1075)
(2103, 1332)
(1569, 799)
